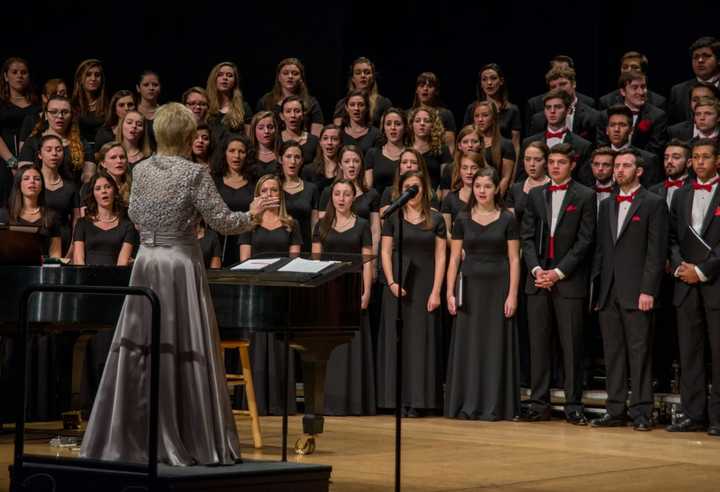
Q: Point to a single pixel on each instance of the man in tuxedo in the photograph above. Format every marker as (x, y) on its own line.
(649, 123)
(675, 162)
(705, 122)
(618, 133)
(557, 235)
(630, 252)
(602, 164)
(535, 104)
(636, 61)
(695, 262)
(557, 104)
(581, 119)
(705, 56)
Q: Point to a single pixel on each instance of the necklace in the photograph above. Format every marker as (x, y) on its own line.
(107, 220)
(56, 182)
(339, 226)
(33, 212)
(289, 185)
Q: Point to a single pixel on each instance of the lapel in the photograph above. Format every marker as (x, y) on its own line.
(569, 195)
(547, 203)
(711, 210)
(579, 118)
(634, 205)
(687, 213)
(613, 216)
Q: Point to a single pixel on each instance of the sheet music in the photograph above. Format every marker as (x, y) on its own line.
(301, 265)
(699, 238)
(255, 264)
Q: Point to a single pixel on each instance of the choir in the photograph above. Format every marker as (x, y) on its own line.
(528, 231)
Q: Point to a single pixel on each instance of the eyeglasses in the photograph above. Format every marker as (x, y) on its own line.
(58, 112)
(198, 104)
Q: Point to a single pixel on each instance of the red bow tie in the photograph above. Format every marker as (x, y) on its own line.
(603, 189)
(561, 187)
(706, 187)
(557, 134)
(625, 198)
(678, 183)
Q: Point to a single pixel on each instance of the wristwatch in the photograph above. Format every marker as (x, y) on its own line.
(12, 162)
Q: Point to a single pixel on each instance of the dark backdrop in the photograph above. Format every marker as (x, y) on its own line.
(183, 41)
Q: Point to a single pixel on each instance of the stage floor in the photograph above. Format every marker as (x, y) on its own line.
(451, 455)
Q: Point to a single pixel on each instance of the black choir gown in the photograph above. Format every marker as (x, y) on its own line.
(366, 142)
(310, 175)
(421, 337)
(267, 351)
(383, 169)
(363, 205)
(11, 119)
(64, 201)
(237, 200)
(300, 207)
(482, 381)
(452, 204)
(210, 246)
(434, 162)
(350, 380)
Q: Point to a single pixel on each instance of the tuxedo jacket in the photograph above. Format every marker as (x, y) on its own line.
(585, 122)
(582, 147)
(615, 97)
(649, 132)
(633, 260)
(685, 245)
(573, 238)
(679, 103)
(535, 105)
(682, 131)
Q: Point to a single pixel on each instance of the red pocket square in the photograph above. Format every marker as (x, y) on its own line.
(573, 208)
(635, 218)
(717, 212)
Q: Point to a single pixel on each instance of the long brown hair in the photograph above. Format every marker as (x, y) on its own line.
(30, 93)
(360, 179)
(403, 118)
(328, 219)
(118, 207)
(112, 116)
(81, 99)
(15, 203)
(367, 121)
(276, 94)
(425, 196)
(494, 175)
(144, 142)
(495, 148)
(476, 157)
(422, 169)
(235, 117)
(126, 184)
(372, 93)
(318, 163)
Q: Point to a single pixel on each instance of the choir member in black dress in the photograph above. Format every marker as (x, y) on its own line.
(423, 272)
(468, 140)
(202, 145)
(367, 200)
(120, 103)
(411, 160)
(274, 231)
(500, 152)
(350, 380)
(227, 111)
(17, 100)
(427, 93)
(51, 87)
(636, 61)
(557, 235)
(363, 77)
(78, 158)
(425, 134)
(148, 89)
(301, 197)
(483, 370)
(493, 88)
(210, 246)
(325, 167)
(61, 193)
(263, 131)
(134, 137)
(356, 124)
(196, 99)
(104, 236)
(292, 116)
(694, 249)
(112, 158)
(705, 59)
(382, 162)
(457, 200)
(231, 171)
(630, 255)
(89, 98)
(27, 207)
(290, 81)
(580, 119)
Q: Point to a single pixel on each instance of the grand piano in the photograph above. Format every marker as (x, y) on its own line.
(317, 311)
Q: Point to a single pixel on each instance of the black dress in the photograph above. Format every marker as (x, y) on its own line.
(102, 247)
(31, 147)
(313, 112)
(210, 246)
(508, 119)
(63, 201)
(309, 174)
(89, 124)
(383, 169)
(260, 168)
(452, 204)
(11, 119)
(368, 141)
(219, 131)
(309, 148)
(434, 162)
(104, 135)
(386, 199)
(267, 352)
(422, 337)
(507, 151)
(300, 207)
(363, 205)
(482, 382)
(350, 380)
(237, 200)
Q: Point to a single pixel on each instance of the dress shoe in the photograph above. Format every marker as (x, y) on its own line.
(686, 425)
(532, 415)
(642, 423)
(576, 418)
(714, 430)
(608, 420)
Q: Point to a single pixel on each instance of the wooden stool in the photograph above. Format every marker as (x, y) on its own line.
(244, 379)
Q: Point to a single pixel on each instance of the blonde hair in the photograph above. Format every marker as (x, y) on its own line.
(234, 119)
(126, 181)
(144, 143)
(437, 131)
(174, 127)
(285, 218)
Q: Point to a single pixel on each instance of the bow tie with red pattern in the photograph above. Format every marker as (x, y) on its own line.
(557, 134)
(562, 187)
(673, 183)
(706, 186)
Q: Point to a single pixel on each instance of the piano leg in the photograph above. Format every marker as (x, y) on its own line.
(73, 417)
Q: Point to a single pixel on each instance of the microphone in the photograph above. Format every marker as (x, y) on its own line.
(404, 197)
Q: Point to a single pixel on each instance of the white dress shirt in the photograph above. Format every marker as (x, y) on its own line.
(556, 201)
(623, 208)
(671, 191)
(551, 142)
(697, 134)
(700, 204)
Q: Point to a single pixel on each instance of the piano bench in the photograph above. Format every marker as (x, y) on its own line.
(244, 379)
